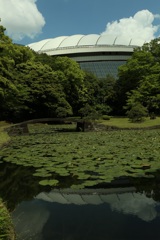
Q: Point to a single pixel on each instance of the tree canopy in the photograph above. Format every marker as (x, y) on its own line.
(139, 79)
(36, 85)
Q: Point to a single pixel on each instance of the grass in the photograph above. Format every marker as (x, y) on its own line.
(125, 123)
(6, 226)
(4, 138)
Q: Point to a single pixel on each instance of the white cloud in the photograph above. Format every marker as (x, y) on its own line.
(21, 18)
(140, 27)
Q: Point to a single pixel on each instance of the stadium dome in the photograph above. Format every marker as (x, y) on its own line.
(99, 54)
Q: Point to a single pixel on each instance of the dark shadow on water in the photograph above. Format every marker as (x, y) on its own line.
(18, 184)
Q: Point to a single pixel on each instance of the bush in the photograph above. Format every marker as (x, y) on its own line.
(106, 117)
(152, 116)
(89, 112)
(137, 113)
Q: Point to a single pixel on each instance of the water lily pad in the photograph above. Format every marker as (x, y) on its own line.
(90, 183)
(79, 157)
(83, 176)
(77, 187)
(52, 182)
(44, 175)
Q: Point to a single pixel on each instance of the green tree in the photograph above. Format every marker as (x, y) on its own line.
(10, 56)
(39, 92)
(28, 88)
(8, 91)
(106, 95)
(71, 77)
(142, 66)
(148, 94)
(100, 93)
(3, 37)
(88, 112)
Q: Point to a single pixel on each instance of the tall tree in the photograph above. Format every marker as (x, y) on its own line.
(138, 68)
(39, 91)
(71, 77)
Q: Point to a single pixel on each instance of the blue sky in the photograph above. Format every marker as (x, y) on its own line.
(35, 20)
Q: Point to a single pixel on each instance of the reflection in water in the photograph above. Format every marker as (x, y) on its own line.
(128, 211)
(128, 203)
(29, 219)
(88, 215)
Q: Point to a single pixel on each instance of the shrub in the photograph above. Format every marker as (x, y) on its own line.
(89, 112)
(106, 117)
(152, 116)
(137, 113)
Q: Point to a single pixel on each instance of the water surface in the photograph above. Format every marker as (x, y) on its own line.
(124, 211)
(88, 215)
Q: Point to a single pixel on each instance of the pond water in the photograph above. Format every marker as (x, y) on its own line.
(59, 215)
(119, 212)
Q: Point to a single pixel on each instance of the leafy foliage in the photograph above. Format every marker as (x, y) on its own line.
(6, 225)
(37, 85)
(139, 78)
(137, 113)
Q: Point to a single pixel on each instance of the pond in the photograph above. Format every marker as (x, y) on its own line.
(128, 209)
(68, 185)
(89, 216)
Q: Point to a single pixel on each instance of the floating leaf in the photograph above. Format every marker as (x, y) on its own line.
(77, 187)
(53, 182)
(45, 175)
(79, 157)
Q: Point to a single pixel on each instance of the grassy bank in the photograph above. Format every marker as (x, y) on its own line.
(4, 138)
(125, 123)
(6, 226)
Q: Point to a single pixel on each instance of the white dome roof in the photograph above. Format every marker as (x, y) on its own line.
(83, 40)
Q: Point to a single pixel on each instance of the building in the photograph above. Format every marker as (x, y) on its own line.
(99, 54)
